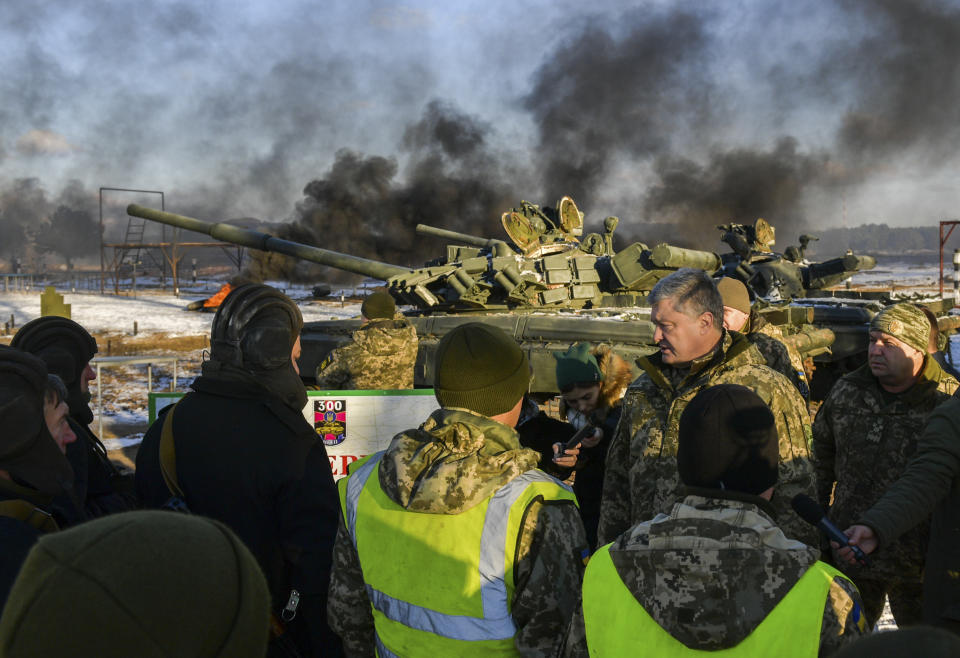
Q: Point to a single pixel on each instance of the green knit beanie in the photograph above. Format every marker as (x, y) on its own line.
(906, 323)
(146, 584)
(480, 368)
(577, 366)
(378, 306)
(734, 294)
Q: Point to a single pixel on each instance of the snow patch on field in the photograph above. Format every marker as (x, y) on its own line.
(154, 312)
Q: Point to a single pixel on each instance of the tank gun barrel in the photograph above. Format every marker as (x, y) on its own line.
(948, 324)
(668, 256)
(833, 271)
(266, 242)
(456, 236)
(811, 342)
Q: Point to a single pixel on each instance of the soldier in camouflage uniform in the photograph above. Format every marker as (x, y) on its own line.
(433, 477)
(707, 574)
(381, 355)
(738, 315)
(865, 434)
(695, 352)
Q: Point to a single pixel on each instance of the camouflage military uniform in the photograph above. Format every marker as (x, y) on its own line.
(761, 334)
(863, 438)
(713, 569)
(452, 462)
(641, 476)
(381, 355)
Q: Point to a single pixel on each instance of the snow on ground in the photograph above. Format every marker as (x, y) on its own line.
(154, 312)
(903, 274)
(159, 314)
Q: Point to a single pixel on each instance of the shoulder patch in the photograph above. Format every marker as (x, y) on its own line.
(325, 363)
(858, 617)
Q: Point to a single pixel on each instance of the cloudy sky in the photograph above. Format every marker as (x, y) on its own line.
(807, 112)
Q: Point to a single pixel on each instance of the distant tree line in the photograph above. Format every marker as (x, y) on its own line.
(877, 238)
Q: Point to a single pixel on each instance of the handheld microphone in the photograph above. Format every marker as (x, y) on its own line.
(810, 512)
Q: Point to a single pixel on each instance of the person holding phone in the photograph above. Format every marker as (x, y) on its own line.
(592, 381)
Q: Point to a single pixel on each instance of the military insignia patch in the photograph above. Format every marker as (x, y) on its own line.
(858, 618)
(325, 363)
(330, 421)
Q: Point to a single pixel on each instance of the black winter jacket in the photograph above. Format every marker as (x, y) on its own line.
(931, 481)
(16, 537)
(249, 460)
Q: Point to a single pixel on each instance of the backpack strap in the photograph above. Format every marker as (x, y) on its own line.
(29, 513)
(168, 455)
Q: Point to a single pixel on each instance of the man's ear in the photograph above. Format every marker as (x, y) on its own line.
(705, 322)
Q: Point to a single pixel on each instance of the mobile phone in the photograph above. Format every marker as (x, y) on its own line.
(582, 433)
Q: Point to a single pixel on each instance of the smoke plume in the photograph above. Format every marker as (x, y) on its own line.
(361, 206)
(678, 114)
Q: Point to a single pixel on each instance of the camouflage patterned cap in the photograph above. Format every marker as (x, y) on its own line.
(906, 323)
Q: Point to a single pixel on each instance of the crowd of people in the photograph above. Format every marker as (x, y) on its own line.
(465, 536)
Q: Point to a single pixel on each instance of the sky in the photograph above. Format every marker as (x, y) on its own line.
(362, 118)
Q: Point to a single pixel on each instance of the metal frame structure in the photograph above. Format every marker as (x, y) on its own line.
(118, 253)
(169, 250)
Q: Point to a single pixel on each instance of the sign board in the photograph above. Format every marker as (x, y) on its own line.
(351, 424)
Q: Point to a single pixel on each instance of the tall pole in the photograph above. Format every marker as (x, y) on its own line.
(102, 263)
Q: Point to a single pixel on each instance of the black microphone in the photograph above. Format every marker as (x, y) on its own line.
(810, 512)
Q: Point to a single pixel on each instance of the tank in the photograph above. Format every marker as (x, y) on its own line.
(548, 285)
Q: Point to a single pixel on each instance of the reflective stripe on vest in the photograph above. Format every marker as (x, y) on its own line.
(617, 624)
(494, 566)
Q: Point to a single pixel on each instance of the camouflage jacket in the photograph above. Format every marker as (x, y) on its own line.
(641, 475)
(778, 353)
(863, 439)
(452, 462)
(713, 569)
(381, 355)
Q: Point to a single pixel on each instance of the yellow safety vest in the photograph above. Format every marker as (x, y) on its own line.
(441, 584)
(618, 625)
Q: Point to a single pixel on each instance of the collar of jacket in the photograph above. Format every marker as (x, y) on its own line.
(731, 347)
(11, 490)
(238, 384)
(763, 504)
(452, 462)
(931, 375)
(383, 326)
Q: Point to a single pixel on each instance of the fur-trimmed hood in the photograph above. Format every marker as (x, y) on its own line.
(616, 378)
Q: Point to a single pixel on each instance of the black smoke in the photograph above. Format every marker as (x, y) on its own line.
(362, 206)
(34, 224)
(681, 114)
